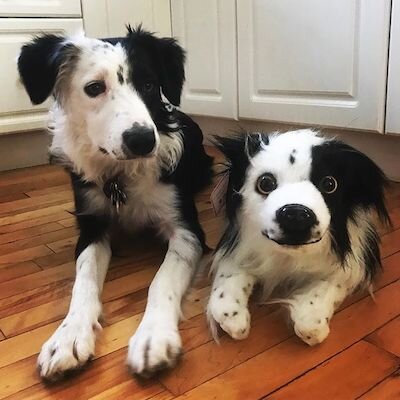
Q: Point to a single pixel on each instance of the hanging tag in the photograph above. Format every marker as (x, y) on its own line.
(218, 195)
(113, 189)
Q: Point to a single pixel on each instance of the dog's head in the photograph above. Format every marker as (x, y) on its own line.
(110, 90)
(298, 187)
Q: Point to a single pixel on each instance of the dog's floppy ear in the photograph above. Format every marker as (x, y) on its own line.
(168, 57)
(172, 69)
(38, 65)
(362, 180)
(253, 143)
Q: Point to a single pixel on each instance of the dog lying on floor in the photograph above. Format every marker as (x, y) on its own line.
(134, 161)
(301, 213)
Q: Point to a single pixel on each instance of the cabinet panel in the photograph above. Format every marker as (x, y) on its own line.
(107, 18)
(393, 93)
(207, 30)
(314, 61)
(40, 8)
(16, 111)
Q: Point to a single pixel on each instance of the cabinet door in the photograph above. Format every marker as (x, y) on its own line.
(207, 30)
(40, 8)
(16, 111)
(393, 92)
(314, 61)
(107, 18)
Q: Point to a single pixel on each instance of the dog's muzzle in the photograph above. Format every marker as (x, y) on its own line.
(139, 141)
(295, 222)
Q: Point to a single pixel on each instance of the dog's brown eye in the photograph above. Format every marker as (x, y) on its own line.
(148, 86)
(266, 184)
(95, 88)
(328, 184)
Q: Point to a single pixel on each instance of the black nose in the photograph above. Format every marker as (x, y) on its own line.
(139, 140)
(295, 218)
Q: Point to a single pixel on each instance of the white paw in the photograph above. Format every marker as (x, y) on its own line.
(154, 347)
(69, 348)
(232, 316)
(312, 332)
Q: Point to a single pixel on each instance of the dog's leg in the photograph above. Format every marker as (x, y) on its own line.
(311, 307)
(157, 344)
(73, 343)
(230, 293)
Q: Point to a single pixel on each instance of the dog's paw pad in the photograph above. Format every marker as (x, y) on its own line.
(314, 334)
(69, 348)
(153, 348)
(232, 318)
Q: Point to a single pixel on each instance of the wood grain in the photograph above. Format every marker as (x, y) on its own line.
(360, 358)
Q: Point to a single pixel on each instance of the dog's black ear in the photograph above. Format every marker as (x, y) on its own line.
(253, 143)
(363, 182)
(38, 66)
(172, 69)
(168, 57)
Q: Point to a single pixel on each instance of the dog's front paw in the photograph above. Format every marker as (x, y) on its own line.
(69, 348)
(231, 316)
(312, 332)
(153, 347)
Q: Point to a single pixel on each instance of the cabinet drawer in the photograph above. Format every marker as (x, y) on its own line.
(16, 111)
(40, 8)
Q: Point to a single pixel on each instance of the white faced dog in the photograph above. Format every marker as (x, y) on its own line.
(301, 214)
(134, 161)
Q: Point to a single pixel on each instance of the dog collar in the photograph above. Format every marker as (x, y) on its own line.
(114, 190)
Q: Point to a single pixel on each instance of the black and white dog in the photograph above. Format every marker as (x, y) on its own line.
(134, 161)
(301, 213)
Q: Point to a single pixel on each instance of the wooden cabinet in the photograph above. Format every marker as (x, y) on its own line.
(108, 18)
(207, 30)
(16, 111)
(393, 87)
(314, 61)
(40, 8)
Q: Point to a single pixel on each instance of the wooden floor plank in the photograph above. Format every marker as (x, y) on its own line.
(389, 389)
(358, 369)
(37, 269)
(387, 337)
(291, 358)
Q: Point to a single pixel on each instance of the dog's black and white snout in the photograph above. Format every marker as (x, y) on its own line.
(139, 141)
(295, 218)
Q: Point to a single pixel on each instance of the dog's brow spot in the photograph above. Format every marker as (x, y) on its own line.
(308, 337)
(222, 275)
(245, 290)
(319, 321)
(237, 301)
(339, 286)
(294, 151)
(226, 314)
(311, 302)
(327, 319)
(235, 313)
(221, 296)
(229, 276)
(318, 232)
(170, 298)
(214, 289)
(316, 296)
(112, 97)
(292, 159)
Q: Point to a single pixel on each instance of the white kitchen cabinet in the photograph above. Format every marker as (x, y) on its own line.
(40, 8)
(207, 30)
(314, 61)
(108, 18)
(393, 87)
(16, 111)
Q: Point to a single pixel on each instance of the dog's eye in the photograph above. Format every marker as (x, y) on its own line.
(266, 184)
(95, 88)
(148, 86)
(328, 184)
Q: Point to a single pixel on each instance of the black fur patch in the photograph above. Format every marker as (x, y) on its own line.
(361, 185)
(292, 159)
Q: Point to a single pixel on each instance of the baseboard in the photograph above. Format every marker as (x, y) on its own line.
(23, 149)
(383, 149)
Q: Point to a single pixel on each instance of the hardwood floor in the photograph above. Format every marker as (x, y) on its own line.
(359, 360)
